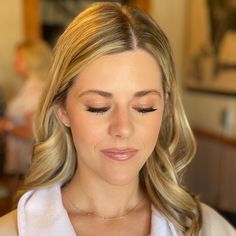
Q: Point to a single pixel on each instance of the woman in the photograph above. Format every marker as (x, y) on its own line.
(31, 63)
(111, 137)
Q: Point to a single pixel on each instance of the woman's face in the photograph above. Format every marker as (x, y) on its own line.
(114, 110)
(20, 64)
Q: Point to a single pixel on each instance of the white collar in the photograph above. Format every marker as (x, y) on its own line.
(160, 225)
(41, 212)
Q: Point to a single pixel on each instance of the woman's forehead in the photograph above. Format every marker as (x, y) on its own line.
(134, 69)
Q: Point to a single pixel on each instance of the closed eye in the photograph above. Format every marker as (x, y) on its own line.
(98, 110)
(145, 110)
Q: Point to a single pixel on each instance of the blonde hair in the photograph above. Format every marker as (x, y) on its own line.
(102, 29)
(37, 56)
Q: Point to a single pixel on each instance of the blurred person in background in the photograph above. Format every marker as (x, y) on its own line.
(31, 63)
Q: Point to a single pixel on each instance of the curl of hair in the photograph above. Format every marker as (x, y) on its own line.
(102, 29)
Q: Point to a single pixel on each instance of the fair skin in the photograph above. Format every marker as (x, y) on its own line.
(20, 64)
(114, 110)
(8, 224)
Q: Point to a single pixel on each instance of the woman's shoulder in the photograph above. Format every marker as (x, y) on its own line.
(8, 224)
(215, 224)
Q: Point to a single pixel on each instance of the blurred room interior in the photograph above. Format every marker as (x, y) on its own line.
(204, 49)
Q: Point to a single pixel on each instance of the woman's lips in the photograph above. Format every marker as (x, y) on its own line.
(119, 154)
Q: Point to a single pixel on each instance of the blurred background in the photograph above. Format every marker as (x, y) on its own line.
(203, 38)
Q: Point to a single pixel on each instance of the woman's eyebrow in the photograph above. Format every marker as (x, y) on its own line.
(102, 93)
(98, 92)
(147, 92)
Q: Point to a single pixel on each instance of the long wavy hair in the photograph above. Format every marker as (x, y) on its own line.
(102, 29)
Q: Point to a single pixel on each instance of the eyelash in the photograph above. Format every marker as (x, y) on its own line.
(99, 110)
(146, 110)
(102, 110)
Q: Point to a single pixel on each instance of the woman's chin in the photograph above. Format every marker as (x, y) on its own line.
(120, 179)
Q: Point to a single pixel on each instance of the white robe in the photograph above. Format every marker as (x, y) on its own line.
(41, 213)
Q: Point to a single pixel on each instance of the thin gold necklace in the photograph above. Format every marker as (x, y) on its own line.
(99, 216)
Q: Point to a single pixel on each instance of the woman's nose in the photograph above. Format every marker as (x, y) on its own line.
(121, 124)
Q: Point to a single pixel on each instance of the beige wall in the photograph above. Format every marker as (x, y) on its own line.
(11, 33)
(204, 111)
(170, 15)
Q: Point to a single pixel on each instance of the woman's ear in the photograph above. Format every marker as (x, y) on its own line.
(166, 105)
(62, 115)
(167, 97)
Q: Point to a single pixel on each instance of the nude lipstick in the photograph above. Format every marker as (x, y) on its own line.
(120, 154)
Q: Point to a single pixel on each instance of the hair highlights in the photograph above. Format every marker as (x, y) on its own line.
(102, 29)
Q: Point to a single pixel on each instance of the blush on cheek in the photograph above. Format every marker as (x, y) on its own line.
(155, 133)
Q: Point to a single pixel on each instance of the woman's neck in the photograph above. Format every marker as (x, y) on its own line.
(96, 196)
